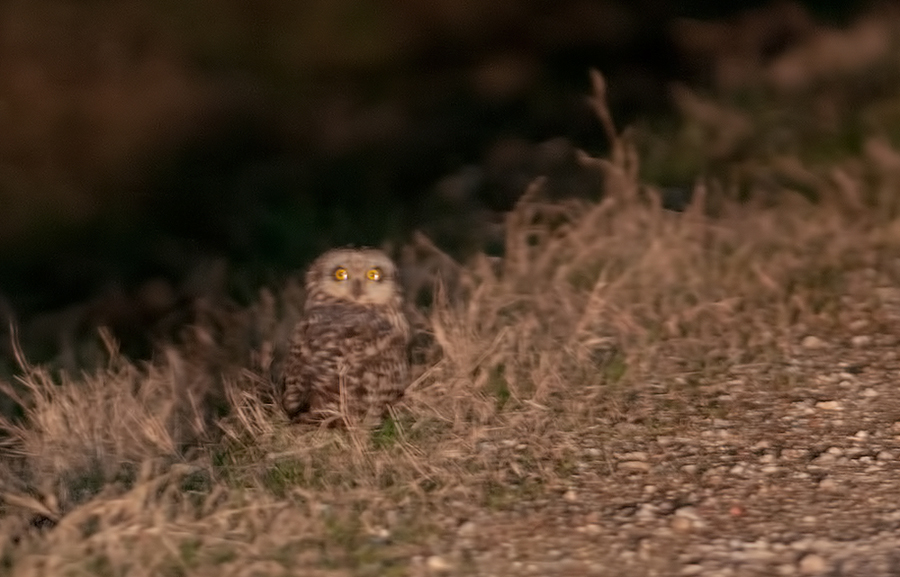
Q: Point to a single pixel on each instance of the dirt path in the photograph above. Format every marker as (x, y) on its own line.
(797, 475)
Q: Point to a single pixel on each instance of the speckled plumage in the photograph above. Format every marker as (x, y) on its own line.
(348, 354)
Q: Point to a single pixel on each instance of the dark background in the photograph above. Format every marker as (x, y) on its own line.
(154, 152)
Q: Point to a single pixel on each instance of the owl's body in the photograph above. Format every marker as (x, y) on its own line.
(348, 354)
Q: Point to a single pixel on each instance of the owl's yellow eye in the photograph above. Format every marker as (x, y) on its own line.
(374, 274)
(340, 273)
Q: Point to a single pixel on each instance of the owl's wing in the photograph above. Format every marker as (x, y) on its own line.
(389, 366)
(296, 390)
(394, 367)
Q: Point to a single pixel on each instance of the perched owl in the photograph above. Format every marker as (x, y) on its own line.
(348, 354)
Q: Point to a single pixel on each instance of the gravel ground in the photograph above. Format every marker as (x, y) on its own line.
(797, 478)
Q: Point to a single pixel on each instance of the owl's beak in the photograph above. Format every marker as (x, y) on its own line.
(356, 288)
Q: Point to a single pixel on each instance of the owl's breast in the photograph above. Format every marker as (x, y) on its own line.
(347, 321)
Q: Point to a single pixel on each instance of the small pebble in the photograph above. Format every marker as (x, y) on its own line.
(682, 525)
(828, 405)
(758, 555)
(812, 564)
(827, 484)
(646, 512)
(639, 466)
(635, 456)
(860, 341)
(467, 529)
(438, 564)
(380, 535)
(812, 342)
(786, 569)
(688, 512)
(825, 459)
(591, 529)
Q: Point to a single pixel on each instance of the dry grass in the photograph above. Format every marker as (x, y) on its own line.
(599, 313)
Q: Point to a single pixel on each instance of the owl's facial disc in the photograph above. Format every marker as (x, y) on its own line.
(366, 277)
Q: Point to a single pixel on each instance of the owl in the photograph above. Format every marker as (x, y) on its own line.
(347, 358)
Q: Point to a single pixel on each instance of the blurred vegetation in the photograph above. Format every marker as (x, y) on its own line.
(154, 153)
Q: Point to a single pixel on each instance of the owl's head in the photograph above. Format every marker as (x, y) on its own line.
(359, 275)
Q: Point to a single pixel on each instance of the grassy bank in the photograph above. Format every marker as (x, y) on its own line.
(599, 314)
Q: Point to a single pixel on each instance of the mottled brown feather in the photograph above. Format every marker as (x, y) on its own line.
(345, 346)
